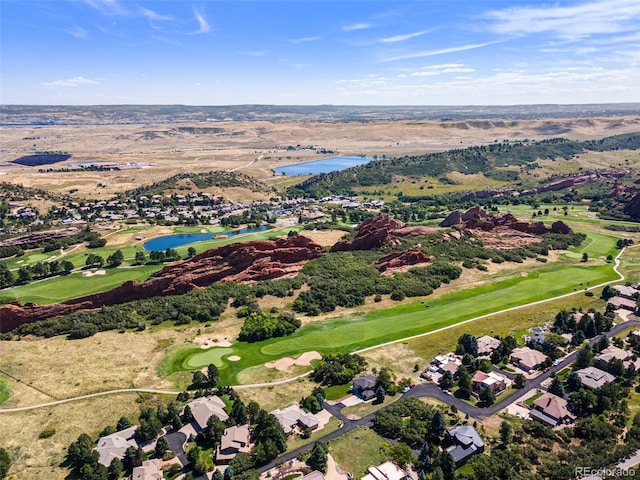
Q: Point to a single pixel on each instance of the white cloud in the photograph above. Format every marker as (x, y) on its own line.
(441, 51)
(77, 32)
(434, 70)
(72, 82)
(297, 41)
(569, 22)
(108, 7)
(204, 27)
(154, 16)
(356, 26)
(256, 53)
(402, 38)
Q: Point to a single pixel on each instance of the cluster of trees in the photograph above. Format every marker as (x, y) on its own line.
(169, 255)
(5, 463)
(410, 421)
(338, 369)
(489, 160)
(37, 271)
(588, 326)
(10, 251)
(208, 380)
(346, 278)
(260, 326)
(314, 402)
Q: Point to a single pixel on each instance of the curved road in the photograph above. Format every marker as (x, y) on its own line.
(280, 382)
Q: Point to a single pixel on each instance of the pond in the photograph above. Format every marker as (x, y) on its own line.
(173, 241)
(325, 165)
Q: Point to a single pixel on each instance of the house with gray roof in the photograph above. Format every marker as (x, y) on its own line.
(593, 377)
(149, 470)
(293, 417)
(204, 408)
(462, 442)
(115, 445)
(487, 344)
(365, 386)
(551, 409)
(527, 358)
(609, 353)
(234, 440)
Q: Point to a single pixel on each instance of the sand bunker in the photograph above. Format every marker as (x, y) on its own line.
(233, 358)
(207, 342)
(97, 272)
(287, 362)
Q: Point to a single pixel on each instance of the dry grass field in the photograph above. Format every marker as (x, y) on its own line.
(252, 147)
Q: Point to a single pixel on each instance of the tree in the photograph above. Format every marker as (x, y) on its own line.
(213, 375)
(239, 412)
(446, 381)
(583, 357)
(150, 425)
(115, 259)
(585, 257)
(464, 382)
(162, 446)
(116, 469)
(66, 266)
(487, 396)
(436, 426)
(505, 432)
(318, 458)
(140, 258)
(556, 387)
(519, 381)
(574, 382)
(228, 473)
(199, 379)
(122, 424)
(401, 455)
(467, 344)
(5, 463)
(380, 394)
(191, 252)
(81, 451)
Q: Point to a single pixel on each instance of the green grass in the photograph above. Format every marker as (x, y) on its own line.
(76, 284)
(296, 441)
(5, 391)
(336, 392)
(529, 401)
(355, 332)
(357, 450)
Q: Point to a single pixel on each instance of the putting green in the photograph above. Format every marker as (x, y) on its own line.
(205, 357)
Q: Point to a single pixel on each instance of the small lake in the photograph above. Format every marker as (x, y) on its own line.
(173, 241)
(325, 165)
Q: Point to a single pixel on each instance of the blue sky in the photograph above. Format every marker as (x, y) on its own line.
(430, 52)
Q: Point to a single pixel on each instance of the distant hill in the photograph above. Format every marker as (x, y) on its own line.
(164, 114)
(490, 160)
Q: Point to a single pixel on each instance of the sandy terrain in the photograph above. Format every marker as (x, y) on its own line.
(205, 341)
(233, 358)
(254, 147)
(97, 272)
(287, 362)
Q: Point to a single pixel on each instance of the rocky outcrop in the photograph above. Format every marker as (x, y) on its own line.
(477, 219)
(372, 233)
(237, 262)
(632, 208)
(397, 260)
(40, 237)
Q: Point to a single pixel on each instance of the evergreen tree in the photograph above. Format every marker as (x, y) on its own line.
(556, 387)
(213, 375)
(505, 432)
(318, 458)
(116, 469)
(162, 446)
(436, 426)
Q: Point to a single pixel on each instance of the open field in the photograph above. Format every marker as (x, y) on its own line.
(256, 147)
(357, 450)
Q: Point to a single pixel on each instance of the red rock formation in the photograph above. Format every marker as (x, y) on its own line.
(632, 208)
(372, 233)
(415, 231)
(240, 262)
(453, 219)
(561, 227)
(396, 260)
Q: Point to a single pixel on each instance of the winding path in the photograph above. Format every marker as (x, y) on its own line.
(436, 392)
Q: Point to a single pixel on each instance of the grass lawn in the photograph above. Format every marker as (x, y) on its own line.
(296, 441)
(76, 284)
(529, 401)
(357, 450)
(355, 332)
(5, 392)
(365, 408)
(336, 392)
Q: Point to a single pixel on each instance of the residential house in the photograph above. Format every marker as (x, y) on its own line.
(443, 363)
(293, 417)
(609, 353)
(386, 471)
(527, 358)
(234, 440)
(204, 408)
(593, 377)
(150, 470)
(624, 303)
(115, 445)
(492, 381)
(315, 475)
(486, 345)
(462, 442)
(626, 291)
(551, 409)
(365, 386)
